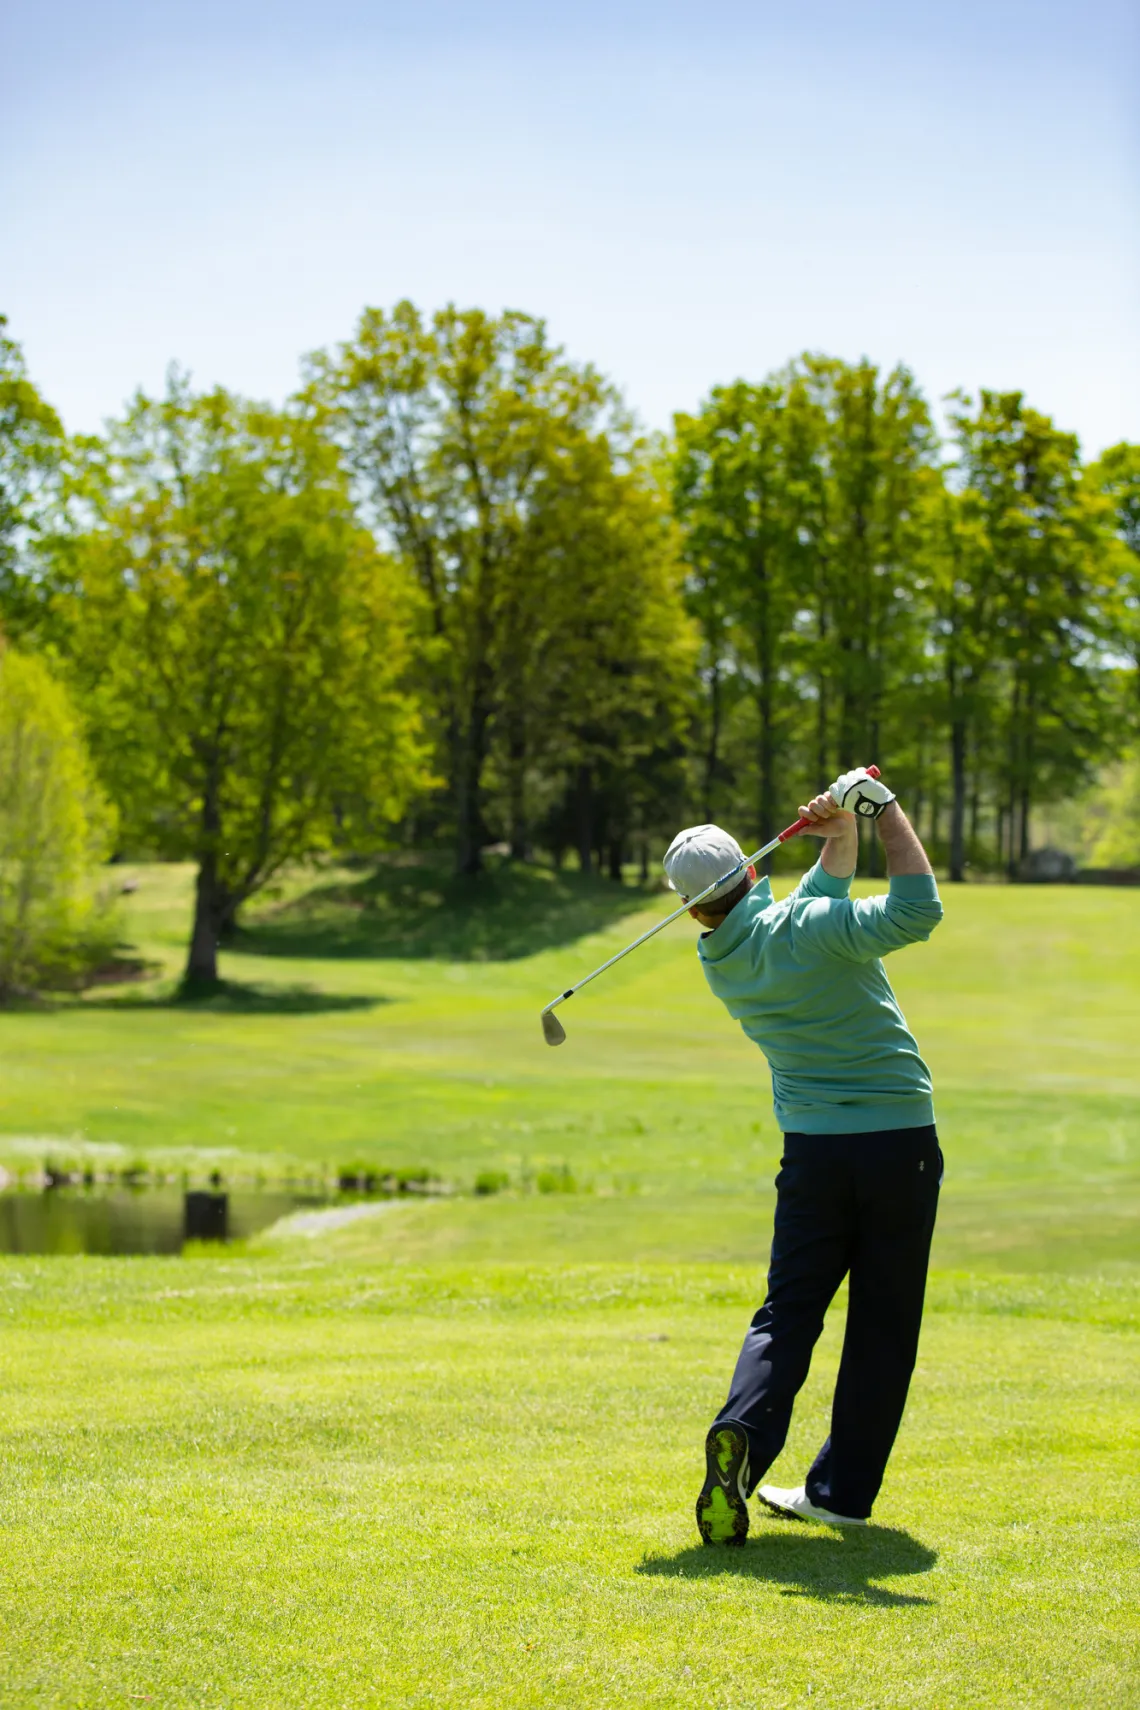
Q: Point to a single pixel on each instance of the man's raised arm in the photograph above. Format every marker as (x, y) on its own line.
(904, 852)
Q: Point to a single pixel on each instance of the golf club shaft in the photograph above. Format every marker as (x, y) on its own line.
(693, 902)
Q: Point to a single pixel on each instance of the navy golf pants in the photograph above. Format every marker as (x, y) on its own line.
(856, 1205)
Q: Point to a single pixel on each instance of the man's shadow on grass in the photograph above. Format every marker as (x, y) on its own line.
(834, 1567)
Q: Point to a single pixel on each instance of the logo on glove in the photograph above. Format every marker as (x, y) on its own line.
(861, 794)
(865, 806)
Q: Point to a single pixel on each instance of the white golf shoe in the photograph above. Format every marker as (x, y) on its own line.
(794, 1504)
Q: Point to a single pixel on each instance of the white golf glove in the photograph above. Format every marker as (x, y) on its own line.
(859, 793)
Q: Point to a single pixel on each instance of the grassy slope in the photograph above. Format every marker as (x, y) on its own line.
(1025, 1001)
(448, 1456)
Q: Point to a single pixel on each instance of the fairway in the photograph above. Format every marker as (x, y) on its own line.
(448, 1455)
(361, 1041)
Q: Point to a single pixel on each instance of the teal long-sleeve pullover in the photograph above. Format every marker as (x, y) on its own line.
(805, 981)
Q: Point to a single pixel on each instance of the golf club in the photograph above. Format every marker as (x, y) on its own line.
(552, 1029)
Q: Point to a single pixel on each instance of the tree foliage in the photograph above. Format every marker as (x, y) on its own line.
(31, 445)
(1041, 588)
(239, 645)
(55, 826)
(449, 595)
(503, 476)
(799, 501)
(1115, 479)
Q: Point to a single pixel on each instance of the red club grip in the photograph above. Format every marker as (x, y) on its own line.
(802, 824)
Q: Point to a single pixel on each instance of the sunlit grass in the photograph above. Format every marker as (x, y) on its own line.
(447, 1456)
(324, 1480)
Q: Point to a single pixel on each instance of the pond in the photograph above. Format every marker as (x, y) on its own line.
(137, 1220)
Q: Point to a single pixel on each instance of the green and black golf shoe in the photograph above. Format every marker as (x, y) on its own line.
(722, 1510)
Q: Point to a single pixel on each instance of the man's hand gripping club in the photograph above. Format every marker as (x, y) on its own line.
(835, 815)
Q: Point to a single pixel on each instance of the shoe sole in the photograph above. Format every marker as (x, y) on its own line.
(722, 1513)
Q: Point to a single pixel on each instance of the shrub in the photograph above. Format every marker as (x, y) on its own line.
(556, 1181)
(491, 1181)
(55, 825)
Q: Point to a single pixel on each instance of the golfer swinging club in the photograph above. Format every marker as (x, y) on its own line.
(858, 1184)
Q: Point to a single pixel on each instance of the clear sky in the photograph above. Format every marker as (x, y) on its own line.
(687, 192)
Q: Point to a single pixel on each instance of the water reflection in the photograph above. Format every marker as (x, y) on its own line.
(135, 1220)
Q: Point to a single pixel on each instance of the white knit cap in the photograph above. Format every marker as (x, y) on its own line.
(698, 856)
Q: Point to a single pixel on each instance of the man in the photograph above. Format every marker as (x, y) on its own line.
(858, 1185)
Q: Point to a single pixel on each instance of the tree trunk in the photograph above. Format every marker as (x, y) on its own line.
(1028, 758)
(873, 861)
(764, 683)
(1013, 772)
(975, 799)
(712, 751)
(212, 905)
(468, 792)
(584, 818)
(935, 816)
(516, 767)
(615, 859)
(958, 801)
(644, 861)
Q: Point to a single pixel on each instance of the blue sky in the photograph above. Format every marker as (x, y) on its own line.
(687, 193)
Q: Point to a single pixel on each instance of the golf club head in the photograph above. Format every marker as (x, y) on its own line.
(552, 1029)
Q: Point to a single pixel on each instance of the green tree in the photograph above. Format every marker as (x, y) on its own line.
(239, 646)
(1112, 815)
(1042, 564)
(31, 443)
(1115, 479)
(964, 597)
(731, 496)
(463, 435)
(798, 500)
(55, 826)
(862, 455)
(613, 700)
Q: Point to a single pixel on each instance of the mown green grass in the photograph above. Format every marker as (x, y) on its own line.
(447, 1456)
(1026, 1003)
(327, 1481)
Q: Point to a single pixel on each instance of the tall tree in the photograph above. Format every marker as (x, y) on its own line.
(457, 431)
(863, 453)
(1115, 479)
(616, 700)
(1044, 568)
(964, 598)
(731, 497)
(238, 644)
(31, 444)
(55, 828)
(798, 500)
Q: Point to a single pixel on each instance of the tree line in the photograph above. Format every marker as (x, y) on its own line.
(448, 596)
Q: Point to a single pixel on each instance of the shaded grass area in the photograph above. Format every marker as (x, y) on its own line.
(237, 997)
(320, 1479)
(825, 1565)
(415, 908)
